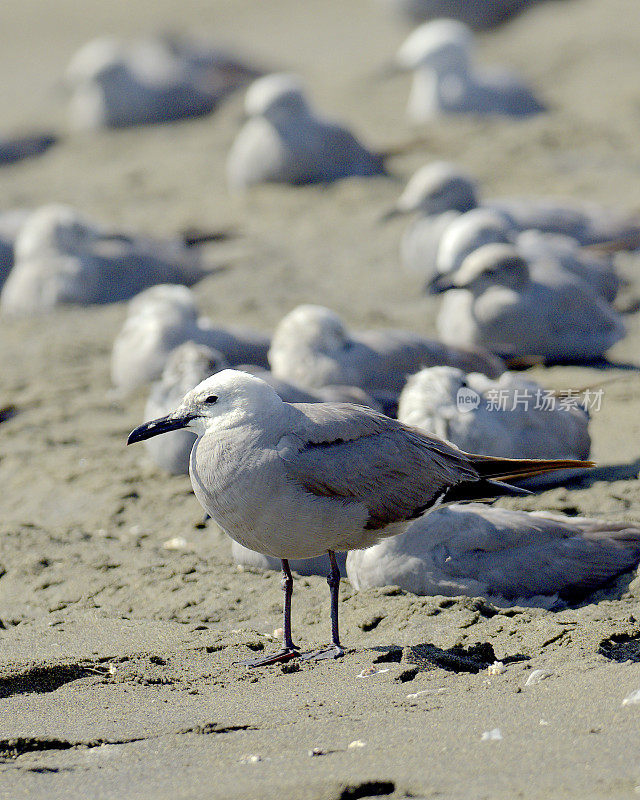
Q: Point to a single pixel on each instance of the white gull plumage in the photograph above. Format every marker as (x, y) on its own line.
(495, 302)
(297, 481)
(285, 141)
(511, 557)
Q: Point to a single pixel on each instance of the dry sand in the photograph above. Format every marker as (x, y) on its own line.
(116, 662)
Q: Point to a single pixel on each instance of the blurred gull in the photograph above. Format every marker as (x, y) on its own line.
(164, 317)
(510, 557)
(497, 303)
(61, 257)
(187, 365)
(311, 346)
(436, 194)
(285, 141)
(546, 253)
(441, 186)
(477, 13)
(509, 416)
(446, 82)
(117, 83)
(10, 223)
(299, 481)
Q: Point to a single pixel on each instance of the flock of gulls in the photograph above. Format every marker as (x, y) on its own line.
(322, 449)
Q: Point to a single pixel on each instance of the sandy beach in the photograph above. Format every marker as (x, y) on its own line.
(117, 659)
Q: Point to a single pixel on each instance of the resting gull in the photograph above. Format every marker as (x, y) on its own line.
(546, 253)
(187, 365)
(477, 13)
(311, 346)
(510, 416)
(510, 557)
(61, 257)
(441, 186)
(116, 83)
(446, 81)
(285, 141)
(160, 319)
(497, 303)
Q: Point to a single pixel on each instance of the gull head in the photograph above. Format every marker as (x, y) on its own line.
(56, 229)
(190, 363)
(277, 97)
(225, 399)
(311, 327)
(93, 58)
(164, 299)
(443, 45)
(488, 266)
(438, 187)
(467, 233)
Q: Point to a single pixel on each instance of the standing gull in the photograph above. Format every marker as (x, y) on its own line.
(285, 141)
(298, 480)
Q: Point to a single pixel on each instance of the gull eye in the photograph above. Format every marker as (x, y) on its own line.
(211, 399)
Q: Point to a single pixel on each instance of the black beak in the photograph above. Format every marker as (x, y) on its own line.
(158, 426)
(439, 284)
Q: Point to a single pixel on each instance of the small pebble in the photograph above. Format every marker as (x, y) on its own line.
(415, 695)
(316, 751)
(356, 743)
(632, 699)
(491, 736)
(536, 676)
(177, 543)
(497, 668)
(278, 633)
(251, 759)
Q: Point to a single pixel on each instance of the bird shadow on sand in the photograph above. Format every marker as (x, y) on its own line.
(583, 478)
(427, 656)
(596, 363)
(606, 472)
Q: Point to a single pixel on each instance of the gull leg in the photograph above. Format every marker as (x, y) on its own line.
(289, 650)
(336, 651)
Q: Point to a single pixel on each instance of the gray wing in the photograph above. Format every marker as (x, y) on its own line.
(354, 453)
(517, 554)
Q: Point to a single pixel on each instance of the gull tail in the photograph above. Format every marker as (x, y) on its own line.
(513, 469)
(494, 471)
